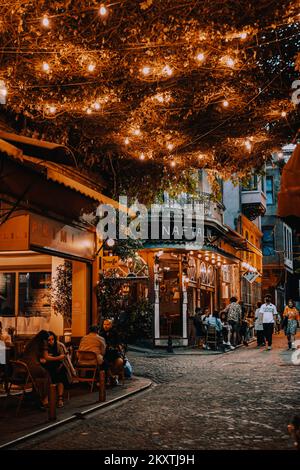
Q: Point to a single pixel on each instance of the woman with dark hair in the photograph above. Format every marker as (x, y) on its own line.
(35, 351)
(55, 364)
(290, 319)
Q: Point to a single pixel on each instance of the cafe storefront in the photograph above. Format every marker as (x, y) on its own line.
(32, 248)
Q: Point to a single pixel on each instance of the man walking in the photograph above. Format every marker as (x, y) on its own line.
(234, 315)
(269, 313)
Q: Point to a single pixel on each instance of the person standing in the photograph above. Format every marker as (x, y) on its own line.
(259, 326)
(269, 313)
(291, 317)
(234, 315)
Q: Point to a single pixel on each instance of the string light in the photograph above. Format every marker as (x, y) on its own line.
(45, 22)
(88, 111)
(97, 106)
(228, 61)
(225, 104)
(103, 11)
(136, 132)
(142, 156)
(248, 145)
(284, 114)
(50, 109)
(173, 163)
(243, 35)
(146, 70)
(126, 141)
(170, 147)
(91, 67)
(45, 67)
(200, 57)
(167, 70)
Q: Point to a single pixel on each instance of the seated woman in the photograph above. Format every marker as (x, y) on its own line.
(59, 367)
(215, 321)
(114, 358)
(35, 352)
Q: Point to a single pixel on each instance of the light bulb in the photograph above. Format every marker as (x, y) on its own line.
(52, 109)
(280, 155)
(248, 145)
(228, 61)
(283, 114)
(170, 147)
(46, 67)
(200, 57)
(110, 242)
(97, 106)
(136, 132)
(142, 156)
(146, 70)
(45, 22)
(167, 70)
(91, 67)
(219, 263)
(126, 141)
(173, 163)
(225, 104)
(88, 111)
(206, 258)
(243, 35)
(103, 11)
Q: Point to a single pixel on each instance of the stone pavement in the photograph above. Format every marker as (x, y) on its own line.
(240, 400)
(31, 419)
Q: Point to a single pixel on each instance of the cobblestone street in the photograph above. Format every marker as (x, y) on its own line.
(239, 400)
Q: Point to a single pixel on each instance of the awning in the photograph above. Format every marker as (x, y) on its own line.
(39, 148)
(10, 150)
(289, 194)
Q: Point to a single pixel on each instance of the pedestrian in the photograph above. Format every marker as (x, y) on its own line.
(269, 313)
(290, 319)
(198, 326)
(234, 315)
(259, 329)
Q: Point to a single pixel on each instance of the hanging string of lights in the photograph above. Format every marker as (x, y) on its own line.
(179, 84)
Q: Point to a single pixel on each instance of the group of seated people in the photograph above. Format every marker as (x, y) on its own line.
(49, 361)
(203, 319)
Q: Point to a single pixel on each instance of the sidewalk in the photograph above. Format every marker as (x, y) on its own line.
(81, 402)
(181, 351)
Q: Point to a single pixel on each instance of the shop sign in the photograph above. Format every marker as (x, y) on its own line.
(60, 238)
(110, 262)
(14, 234)
(251, 277)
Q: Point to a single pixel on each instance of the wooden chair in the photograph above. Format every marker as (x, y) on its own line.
(87, 363)
(211, 337)
(22, 381)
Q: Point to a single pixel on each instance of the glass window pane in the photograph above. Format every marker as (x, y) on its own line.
(34, 294)
(7, 294)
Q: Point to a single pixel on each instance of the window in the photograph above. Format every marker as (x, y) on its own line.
(251, 185)
(34, 294)
(268, 247)
(7, 294)
(288, 243)
(263, 184)
(269, 190)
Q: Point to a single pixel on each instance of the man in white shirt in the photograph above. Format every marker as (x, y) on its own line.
(268, 312)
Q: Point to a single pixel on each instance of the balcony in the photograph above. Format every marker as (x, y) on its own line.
(254, 203)
(213, 210)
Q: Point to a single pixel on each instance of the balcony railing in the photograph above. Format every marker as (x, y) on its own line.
(213, 210)
(254, 203)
